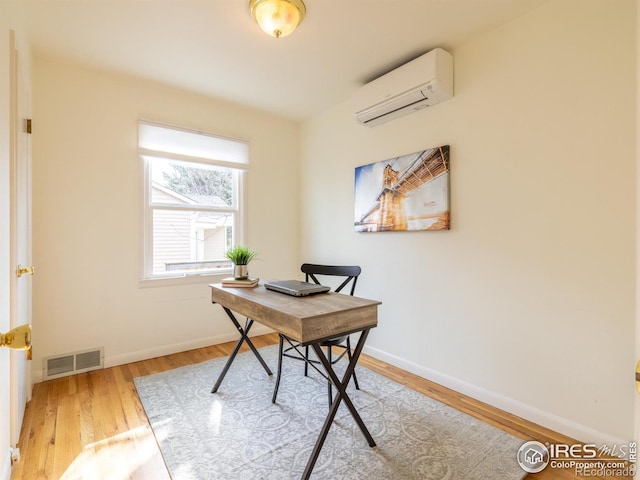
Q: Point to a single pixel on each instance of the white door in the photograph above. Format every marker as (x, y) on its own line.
(20, 228)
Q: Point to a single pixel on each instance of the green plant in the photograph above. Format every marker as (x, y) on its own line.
(240, 255)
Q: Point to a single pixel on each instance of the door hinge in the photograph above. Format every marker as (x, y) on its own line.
(20, 270)
(28, 125)
(638, 376)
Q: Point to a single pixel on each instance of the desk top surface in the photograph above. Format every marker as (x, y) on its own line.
(304, 319)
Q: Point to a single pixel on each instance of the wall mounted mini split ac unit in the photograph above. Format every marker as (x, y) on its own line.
(422, 82)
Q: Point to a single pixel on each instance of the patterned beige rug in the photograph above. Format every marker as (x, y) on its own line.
(237, 433)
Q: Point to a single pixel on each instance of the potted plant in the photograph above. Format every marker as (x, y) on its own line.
(240, 256)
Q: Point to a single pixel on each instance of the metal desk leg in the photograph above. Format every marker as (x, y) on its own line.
(341, 395)
(244, 332)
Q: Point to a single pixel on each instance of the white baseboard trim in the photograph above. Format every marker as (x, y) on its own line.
(558, 424)
(130, 357)
(180, 347)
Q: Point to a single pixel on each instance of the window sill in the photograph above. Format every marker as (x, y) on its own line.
(203, 278)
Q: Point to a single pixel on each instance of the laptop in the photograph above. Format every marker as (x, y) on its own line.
(296, 288)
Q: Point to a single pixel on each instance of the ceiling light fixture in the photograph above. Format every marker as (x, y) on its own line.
(278, 18)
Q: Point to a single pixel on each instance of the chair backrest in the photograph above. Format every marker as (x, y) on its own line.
(350, 272)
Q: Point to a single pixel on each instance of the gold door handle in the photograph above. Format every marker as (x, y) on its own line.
(18, 339)
(24, 270)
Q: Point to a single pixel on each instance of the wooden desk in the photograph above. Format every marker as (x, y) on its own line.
(307, 320)
(303, 319)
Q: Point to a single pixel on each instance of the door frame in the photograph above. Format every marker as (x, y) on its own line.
(20, 383)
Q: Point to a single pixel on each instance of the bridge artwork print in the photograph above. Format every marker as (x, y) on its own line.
(410, 192)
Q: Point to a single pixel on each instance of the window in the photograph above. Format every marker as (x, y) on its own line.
(193, 184)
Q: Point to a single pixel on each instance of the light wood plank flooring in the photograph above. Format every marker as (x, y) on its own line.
(92, 425)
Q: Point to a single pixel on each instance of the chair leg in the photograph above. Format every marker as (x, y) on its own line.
(355, 379)
(280, 354)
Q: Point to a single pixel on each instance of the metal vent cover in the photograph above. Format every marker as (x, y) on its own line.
(72, 363)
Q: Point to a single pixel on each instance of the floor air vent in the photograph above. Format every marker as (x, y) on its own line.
(72, 363)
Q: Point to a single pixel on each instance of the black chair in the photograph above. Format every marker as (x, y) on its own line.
(350, 275)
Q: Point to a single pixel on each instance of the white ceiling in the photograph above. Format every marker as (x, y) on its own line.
(214, 47)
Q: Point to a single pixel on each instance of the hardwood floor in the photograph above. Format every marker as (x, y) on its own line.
(92, 425)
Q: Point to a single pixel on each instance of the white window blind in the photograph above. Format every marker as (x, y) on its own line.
(193, 198)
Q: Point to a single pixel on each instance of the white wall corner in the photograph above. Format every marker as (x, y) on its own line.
(5, 470)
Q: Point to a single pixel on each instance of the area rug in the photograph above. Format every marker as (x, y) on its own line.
(237, 433)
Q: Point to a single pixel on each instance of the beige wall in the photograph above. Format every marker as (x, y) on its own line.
(88, 208)
(528, 301)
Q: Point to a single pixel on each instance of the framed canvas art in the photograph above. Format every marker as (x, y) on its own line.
(410, 192)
